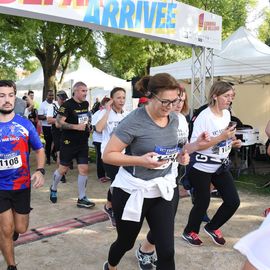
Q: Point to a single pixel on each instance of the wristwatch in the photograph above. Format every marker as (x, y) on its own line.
(42, 170)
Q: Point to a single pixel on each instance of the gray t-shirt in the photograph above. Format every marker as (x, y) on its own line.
(143, 136)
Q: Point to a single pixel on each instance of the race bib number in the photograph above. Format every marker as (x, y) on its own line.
(83, 118)
(166, 153)
(224, 147)
(7, 163)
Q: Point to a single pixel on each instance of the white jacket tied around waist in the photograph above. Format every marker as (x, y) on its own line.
(140, 189)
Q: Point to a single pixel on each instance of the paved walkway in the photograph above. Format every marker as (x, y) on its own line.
(64, 237)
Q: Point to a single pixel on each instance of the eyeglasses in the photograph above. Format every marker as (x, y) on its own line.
(166, 102)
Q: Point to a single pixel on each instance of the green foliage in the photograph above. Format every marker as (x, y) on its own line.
(31, 65)
(127, 57)
(254, 183)
(52, 43)
(7, 73)
(264, 29)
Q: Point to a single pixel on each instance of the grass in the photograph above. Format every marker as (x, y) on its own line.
(254, 183)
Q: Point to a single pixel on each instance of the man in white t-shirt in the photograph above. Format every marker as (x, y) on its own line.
(46, 127)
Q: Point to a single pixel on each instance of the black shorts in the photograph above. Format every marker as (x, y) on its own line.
(17, 200)
(69, 152)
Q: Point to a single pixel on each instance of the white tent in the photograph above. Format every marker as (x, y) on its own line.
(243, 58)
(245, 61)
(99, 82)
(33, 81)
(93, 77)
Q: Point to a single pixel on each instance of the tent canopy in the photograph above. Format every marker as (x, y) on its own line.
(33, 82)
(93, 77)
(243, 58)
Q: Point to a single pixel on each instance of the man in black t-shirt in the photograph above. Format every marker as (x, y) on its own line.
(74, 119)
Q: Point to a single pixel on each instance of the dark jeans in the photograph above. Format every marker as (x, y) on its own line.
(111, 172)
(47, 132)
(99, 162)
(159, 214)
(224, 183)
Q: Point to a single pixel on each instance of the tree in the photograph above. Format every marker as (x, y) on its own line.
(52, 43)
(264, 29)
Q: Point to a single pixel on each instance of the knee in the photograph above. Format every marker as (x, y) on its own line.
(21, 228)
(7, 230)
(234, 203)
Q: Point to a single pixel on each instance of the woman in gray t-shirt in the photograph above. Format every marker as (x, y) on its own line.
(145, 185)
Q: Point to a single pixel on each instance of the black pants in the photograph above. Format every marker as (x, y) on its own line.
(111, 172)
(99, 162)
(224, 183)
(47, 132)
(159, 214)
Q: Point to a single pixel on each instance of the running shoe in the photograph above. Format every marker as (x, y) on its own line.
(266, 212)
(85, 203)
(15, 236)
(106, 266)
(146, 261)
(216, 236)
(192, 238)
(53, 195)
(12, 267)
(110, 215)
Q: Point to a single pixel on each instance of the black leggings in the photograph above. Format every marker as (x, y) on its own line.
(99, 162)
(224, 183)
(47, 132)
(111, 172)
(159, 214)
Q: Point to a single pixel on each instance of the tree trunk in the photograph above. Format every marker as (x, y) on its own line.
(49, 60)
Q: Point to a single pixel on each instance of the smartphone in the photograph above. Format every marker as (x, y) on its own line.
(232, 123)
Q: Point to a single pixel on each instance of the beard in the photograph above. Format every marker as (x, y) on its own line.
(6, 111)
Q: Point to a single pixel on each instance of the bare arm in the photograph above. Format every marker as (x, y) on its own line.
(61, 123)
(100, 125)
(38, 177)
(51, 120)
(267, 129)
(211, 141)
(113, 155)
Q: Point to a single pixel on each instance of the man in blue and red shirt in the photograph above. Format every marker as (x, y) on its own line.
(16, 133)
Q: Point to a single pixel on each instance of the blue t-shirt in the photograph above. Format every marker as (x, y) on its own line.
(14, 152)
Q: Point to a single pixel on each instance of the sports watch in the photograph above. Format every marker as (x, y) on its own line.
(42, 170)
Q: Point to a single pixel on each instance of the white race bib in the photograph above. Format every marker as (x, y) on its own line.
(83, 118)
(10, 162)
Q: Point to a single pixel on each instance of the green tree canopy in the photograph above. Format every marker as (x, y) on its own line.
(52, 43)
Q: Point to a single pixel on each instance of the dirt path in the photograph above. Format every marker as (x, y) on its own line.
(87, 248)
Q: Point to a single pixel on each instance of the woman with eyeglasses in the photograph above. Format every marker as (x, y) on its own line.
(145, 254)
(145, 186)
(211, 166)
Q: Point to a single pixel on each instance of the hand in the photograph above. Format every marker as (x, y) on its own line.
(236, 143)
(81, 127)
(183, 158)
(228, 133)
(203, 140)
(149, 161)
(108, 105)
(38, 177)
